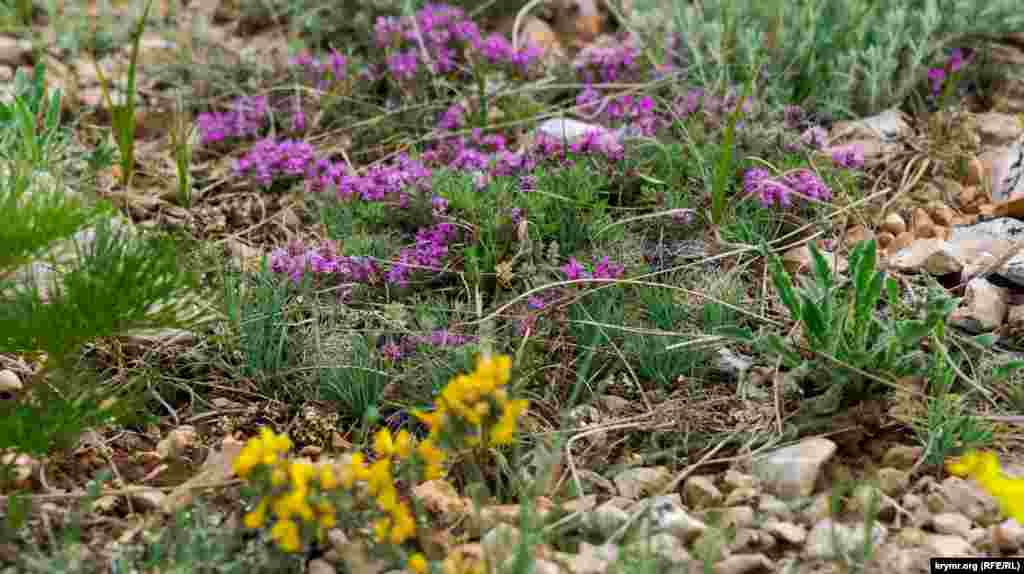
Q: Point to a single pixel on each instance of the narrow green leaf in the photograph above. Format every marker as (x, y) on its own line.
(814, 321)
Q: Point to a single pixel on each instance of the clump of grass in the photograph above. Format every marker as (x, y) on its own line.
(356, 387)
(257, 311)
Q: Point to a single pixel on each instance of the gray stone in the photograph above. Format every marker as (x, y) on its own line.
(902, 457)
(957, 494)
(744, 564)
(893, 481)
(998, 129)
(792, 471)
(947, 545)
(668, 516)
(952, 523)
(829, 539)
(1008, 536)
(662, 545)
(983, 308)
(787, 531)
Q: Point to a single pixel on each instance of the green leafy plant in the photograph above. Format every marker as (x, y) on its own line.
(31, 119)
(850, 57)
(840, 328)
(122, 114)
(108, 281)
(948, 426)
(569, 204)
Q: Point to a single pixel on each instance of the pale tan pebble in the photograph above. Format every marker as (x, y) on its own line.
(942, 214)
(902, 241)
(885, 239)
(925, 231)
(894, 224)
(968, 195)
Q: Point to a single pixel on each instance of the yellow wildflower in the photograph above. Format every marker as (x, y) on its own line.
(279, 476)
(380, 476)
(403, 444)
(328, 479)
(383, 444)
(432, 420)
(388, 498)
(327, 521)
(286, 534)
(433, 458)
(984, 468)
(301, 472)
(257, 517)
(354, 470)
(404, 526)
(381, 526)
(417, 564)
(264, 449)
(292, 504)
(494, 371)
(504, 431)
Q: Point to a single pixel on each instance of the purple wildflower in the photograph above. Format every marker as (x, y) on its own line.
(849, 156)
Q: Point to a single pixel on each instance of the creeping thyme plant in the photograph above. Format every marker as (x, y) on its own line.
(303, 501)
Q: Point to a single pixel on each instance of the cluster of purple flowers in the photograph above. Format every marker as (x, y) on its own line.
(429, 252)
(321, 73)
(323, 262)
(636, 112)
(246, 118)
(937, 76)
(395, 351)
(601, 269)
(607, 62)
(271, 159)
(448, 38)
(713, 107)
(850, 156)
(597, 142)
(779, 190)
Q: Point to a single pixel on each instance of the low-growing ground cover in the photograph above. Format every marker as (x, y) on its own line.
(360, 288)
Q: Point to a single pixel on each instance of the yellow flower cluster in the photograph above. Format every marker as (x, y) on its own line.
(477, 404)
(471, 409)
(265, 449)
(302, 499)
(984, 468)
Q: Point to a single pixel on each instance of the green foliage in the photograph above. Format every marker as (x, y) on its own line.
(948, 426)
(848, 56)
(121, 283)
(723, 174)
(181, 134)
(259, 318)
(661, 308)
(122, 114)
(840, 326)
(569, 204)
(591, 319)
(356, 387)
(30, 127)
